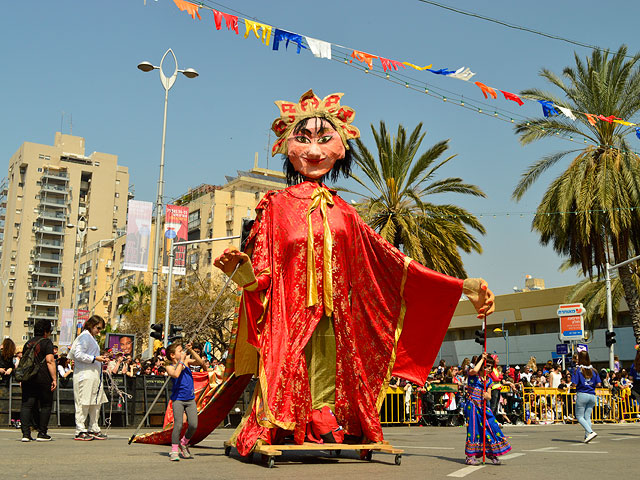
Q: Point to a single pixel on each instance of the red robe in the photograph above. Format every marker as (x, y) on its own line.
(379, 296)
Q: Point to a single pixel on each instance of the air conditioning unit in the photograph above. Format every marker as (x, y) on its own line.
(31, 268)
(108, 263)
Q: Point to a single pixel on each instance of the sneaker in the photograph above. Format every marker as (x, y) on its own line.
(590, 437)
(43, 437)
(83, 437)
(97, 435)
(26, 438)
(471, 461)
(184, 450)
(495, 460)
(174, 456)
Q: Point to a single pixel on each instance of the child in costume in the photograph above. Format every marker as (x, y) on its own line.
(496, 444)
(330, 310)
(182, 397)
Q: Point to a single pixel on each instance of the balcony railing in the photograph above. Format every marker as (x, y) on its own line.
(46, 200)
(52, 215)
(49, 229)
(48, 243)
(51, 187)
(48, 257)
(43, 303)
(40, 314)
(48, 271)
(55, 174)
(46, 286)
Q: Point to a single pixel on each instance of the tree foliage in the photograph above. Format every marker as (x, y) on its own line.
(589, 213)
(399, 204)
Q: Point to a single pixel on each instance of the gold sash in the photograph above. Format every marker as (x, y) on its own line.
(321, 197)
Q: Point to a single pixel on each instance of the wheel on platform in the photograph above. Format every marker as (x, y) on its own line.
(369, 455)
(271, 462)
(338, 452)
(398, 459)
(227, 451)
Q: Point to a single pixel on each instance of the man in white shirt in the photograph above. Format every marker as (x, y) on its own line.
(88, 391)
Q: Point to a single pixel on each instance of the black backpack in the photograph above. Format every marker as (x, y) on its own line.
(28, 366)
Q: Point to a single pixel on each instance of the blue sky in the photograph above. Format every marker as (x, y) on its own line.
(80, 57)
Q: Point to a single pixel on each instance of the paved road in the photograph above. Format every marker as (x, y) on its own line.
(539, 452)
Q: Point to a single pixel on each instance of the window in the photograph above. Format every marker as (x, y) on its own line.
(229, 232)
(51, 296)
(115, 208)
(117, 195)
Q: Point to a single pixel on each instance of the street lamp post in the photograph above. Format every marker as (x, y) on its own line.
(81, 231)
(167, 83)
(505, 335)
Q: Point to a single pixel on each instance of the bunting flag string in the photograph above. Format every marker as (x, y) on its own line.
(323, 49)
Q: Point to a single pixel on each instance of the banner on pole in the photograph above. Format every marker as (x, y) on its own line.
(136, 251)
(175, 229)
(83, 316)
(66, 327)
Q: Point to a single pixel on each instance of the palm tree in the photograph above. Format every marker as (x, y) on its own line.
(136, 296)
(589, 213)
(398, 205)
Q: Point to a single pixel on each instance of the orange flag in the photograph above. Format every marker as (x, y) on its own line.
(363, 57)
(191, 8)
(487, 90)
(591, 118)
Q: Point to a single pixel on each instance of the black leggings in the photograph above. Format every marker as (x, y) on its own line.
(37, 400)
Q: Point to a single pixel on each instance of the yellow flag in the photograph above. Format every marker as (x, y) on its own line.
(251, 26)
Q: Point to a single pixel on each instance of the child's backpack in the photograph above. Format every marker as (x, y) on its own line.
(28, 366)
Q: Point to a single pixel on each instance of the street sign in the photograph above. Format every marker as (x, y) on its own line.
(571, 321)
(562, 349)
(582, 347)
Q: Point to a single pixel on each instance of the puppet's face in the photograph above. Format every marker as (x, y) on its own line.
(315, 148)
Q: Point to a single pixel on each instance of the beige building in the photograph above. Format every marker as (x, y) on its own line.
(214, 212)
(54, 194)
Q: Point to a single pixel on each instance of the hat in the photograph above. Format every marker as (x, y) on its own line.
(517, 367)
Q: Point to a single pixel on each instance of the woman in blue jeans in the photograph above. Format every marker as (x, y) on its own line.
(586, 379)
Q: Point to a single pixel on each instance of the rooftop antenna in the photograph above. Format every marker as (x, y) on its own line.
(71, 124)
(61, 121)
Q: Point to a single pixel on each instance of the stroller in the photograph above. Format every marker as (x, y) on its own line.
(442, 406)
(513, 407)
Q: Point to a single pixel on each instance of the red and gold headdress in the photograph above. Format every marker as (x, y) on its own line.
(311, 106)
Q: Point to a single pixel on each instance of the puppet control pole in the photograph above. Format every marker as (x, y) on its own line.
(164, 385)
(484, 391)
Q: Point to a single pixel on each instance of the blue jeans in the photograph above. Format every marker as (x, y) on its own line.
(584, 405)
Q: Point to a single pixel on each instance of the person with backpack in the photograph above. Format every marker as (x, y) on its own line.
(37, 374)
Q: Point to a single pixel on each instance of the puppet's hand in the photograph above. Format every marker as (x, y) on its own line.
(228, 261)
(479, 295)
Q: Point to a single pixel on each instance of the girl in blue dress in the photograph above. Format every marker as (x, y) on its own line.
(496, 443)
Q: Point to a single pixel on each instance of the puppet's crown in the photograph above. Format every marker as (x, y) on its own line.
(310, 106)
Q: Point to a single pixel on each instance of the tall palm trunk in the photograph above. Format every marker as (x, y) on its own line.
(632, 298)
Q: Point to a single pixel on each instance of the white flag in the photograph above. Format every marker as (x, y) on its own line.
(319, 48)
(462, 73)
(566, 112)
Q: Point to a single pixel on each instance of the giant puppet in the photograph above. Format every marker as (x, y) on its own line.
(330, 310)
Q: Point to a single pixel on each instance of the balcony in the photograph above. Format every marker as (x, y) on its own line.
(55, 174)
(48, 257)
(46, 286)
(46, 243)
(48, 271)
(49, 229)
(52, 215)
(51, 187)
(47, 315)
(44, 303)
(52, 201)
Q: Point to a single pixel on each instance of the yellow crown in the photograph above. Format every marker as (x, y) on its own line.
(311, 106)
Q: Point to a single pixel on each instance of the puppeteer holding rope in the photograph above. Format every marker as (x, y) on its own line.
(330, 310)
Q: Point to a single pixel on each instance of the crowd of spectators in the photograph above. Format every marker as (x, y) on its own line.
(510, 382)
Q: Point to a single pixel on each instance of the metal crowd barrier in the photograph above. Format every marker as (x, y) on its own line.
(552, 405)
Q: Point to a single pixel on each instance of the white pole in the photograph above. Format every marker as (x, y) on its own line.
(609, 311)
(172, 254)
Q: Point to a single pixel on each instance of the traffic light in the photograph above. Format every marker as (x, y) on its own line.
(156, 330)
(175, 333)
(609, 338)
(480, 337)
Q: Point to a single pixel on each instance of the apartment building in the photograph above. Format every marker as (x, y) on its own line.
(58, 201)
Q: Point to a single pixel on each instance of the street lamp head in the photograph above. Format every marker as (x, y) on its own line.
(146, 66)
(497, 330)
(93, 228)
(189, 73)
(70, 225)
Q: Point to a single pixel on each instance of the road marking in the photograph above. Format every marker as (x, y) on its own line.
(620, 439)
(545, 449)
(511, 455)
(463, 472)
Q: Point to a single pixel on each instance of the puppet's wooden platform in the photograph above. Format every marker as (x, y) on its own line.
(269, 452)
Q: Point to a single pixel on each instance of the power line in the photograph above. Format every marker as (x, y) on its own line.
(517, 27)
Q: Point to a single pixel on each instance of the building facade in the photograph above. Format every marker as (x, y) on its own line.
(530, 327)
(58, 201)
